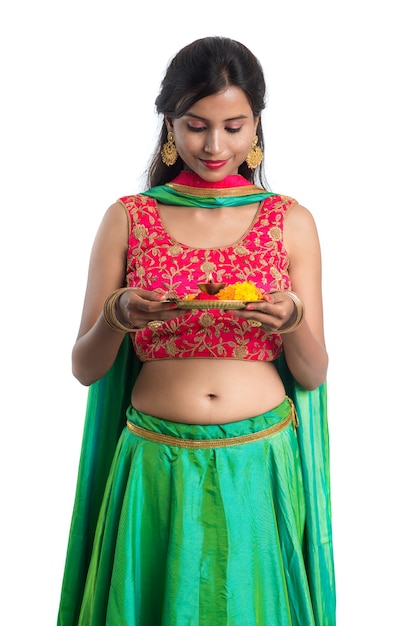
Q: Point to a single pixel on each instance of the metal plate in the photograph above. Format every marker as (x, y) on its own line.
(212, 304)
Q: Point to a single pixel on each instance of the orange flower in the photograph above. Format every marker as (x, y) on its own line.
(245, 291)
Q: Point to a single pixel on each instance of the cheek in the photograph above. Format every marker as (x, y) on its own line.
(187, 142)
(245, 143)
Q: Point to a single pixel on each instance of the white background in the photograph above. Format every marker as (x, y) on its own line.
(79, 80)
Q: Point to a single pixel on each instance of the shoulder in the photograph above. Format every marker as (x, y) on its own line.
(298, 216)
(298, 221)
(135, 200)
(137, 203)
(279, 205)
(291, 207)
(137, 209)
(299, 230)
(278, 199)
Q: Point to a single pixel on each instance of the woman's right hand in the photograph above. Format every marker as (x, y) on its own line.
(137, 307)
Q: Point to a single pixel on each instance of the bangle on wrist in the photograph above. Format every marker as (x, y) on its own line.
(300, 312)
(109, 311)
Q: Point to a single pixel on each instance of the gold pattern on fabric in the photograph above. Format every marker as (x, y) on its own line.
(158, 262)
(239, 440)
(229, 192)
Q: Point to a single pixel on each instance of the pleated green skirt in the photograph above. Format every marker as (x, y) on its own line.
(202, 534)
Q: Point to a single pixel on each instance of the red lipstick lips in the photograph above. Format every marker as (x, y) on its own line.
(214, 165)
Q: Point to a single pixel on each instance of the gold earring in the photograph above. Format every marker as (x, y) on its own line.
(169, 152)
(255, 155)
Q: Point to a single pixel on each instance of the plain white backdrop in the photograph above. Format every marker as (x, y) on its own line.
(79, 82)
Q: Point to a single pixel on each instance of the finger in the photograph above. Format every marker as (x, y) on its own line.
(162, 313)
(151, 296)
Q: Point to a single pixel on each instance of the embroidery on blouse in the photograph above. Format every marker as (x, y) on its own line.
(155, 261)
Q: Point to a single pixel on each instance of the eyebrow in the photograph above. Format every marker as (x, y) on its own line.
(203, 119)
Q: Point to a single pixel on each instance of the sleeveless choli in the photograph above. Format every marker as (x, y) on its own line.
(157, 262)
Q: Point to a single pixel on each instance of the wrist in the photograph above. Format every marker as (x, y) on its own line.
(109, 311)
(296, 319)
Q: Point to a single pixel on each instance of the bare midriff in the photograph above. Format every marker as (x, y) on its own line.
(205, 391)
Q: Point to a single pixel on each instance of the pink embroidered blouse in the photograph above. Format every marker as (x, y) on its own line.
(157, 262)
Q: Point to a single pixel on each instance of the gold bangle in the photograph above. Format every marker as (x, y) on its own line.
(300, 312)
(109, 311)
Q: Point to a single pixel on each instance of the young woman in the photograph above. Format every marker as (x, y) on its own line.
(201, 498)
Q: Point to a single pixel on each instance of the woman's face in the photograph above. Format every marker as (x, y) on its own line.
(214, 136)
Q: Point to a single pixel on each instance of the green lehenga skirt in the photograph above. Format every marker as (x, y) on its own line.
(173, 526)
(191, 536)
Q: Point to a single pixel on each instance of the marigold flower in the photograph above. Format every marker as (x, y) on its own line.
(245, 291)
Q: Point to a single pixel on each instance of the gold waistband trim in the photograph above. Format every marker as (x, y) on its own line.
(169, 440)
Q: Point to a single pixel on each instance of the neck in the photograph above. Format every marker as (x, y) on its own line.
(190, 179)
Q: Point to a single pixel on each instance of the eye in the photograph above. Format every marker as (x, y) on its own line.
(196, 129)
(233, 129)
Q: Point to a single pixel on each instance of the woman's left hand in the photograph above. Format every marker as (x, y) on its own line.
(275, 311)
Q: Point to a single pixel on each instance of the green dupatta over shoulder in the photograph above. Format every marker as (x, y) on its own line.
(108, 400)
(188, 189)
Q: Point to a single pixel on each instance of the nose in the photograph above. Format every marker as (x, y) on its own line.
(213, 142)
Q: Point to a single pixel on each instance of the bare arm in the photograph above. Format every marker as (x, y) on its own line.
(305, 350)
(97, 344)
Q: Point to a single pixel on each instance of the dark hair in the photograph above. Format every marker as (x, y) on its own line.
(203, 68)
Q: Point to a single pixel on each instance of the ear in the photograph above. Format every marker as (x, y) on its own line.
(257, 119)
(168, 122)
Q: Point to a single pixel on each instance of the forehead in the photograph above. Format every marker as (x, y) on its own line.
(229, 103)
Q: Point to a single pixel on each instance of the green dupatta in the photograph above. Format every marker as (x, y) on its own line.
(188, 189)
(108, 400)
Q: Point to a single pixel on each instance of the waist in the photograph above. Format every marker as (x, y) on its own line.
(205, 391)
(240, 432)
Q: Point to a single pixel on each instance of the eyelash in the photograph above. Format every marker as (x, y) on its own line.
(199, 129)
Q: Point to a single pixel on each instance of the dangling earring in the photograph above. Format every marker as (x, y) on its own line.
(255, 155)
(169, 152)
